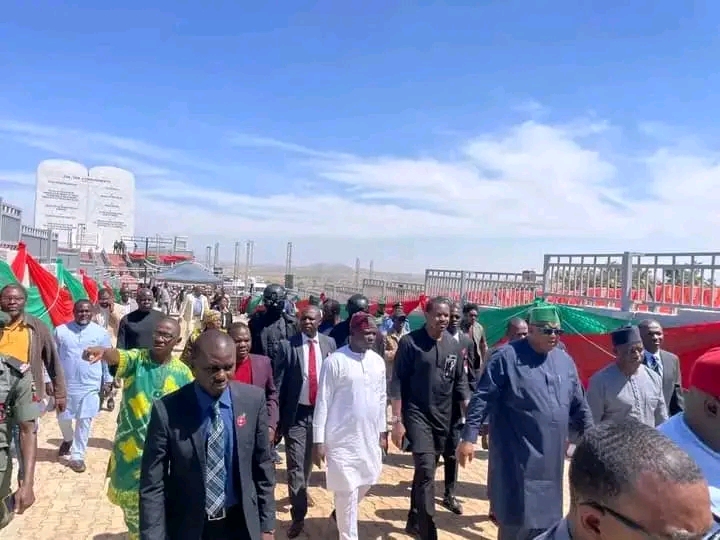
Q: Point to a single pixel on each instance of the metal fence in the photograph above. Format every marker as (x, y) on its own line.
(499, 289)
(40, 243)
(391, 291)
(10, 223)
(661, 282)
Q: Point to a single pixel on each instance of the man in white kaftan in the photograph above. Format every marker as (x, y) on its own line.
(84, 381)
(350, 424)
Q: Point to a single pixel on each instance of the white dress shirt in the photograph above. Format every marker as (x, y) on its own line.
(305, 390)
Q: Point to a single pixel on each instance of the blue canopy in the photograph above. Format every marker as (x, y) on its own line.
(188, 272)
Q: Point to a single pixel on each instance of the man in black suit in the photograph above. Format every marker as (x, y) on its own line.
(297, 376)
(664, 363)
(206, 467)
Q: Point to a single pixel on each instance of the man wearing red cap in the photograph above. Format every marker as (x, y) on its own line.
(697, 429)
(350, 424)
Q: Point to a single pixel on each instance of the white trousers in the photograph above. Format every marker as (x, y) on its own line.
(78, 436)
(346, 512)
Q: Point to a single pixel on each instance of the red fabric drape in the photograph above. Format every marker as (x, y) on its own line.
(57, 300)
(243, 303)
(593, 352)
(91, 287)
(18, 265)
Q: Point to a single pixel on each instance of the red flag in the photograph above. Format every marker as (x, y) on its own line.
(57, 300)
(91, 287)
(18, 265)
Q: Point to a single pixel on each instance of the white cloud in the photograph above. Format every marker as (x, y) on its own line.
(534, 182)
(532, 108)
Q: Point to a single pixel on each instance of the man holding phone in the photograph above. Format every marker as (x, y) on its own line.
(17, 408)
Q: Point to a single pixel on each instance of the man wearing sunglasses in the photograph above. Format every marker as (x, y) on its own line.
(532, 391)
(630, 482)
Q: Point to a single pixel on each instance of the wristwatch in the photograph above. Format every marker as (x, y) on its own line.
(395, 420)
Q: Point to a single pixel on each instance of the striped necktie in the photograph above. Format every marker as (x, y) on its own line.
(654, 363)
(215, 473)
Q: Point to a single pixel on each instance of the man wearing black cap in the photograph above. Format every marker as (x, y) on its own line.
(268, 328)
(272, 325)
(627, 387)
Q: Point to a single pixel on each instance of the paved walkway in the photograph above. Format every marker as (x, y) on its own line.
(73, 506)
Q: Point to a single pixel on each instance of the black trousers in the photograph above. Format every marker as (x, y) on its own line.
(298, 455)
(231, 527)
(422, 495)
(450, 462)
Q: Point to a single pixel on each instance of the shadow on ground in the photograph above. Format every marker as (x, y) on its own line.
(93, 442)
(466, 526)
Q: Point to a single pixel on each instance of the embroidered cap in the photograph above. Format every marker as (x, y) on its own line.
(626, 335)
(705, 373)
(543, 315)
(361, 321)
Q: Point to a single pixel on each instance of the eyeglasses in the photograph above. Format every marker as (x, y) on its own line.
(629, 523)
(634, 525)
(164, 335)
(548, 331)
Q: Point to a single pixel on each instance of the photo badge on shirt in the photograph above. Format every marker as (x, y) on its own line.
(450, 363)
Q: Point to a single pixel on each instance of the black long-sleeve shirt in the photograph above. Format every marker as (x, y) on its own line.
(429, 378)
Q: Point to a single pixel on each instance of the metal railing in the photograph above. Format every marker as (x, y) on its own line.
(662, 282)
(391, 291)
(497, 289)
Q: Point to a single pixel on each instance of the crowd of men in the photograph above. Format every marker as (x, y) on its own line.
(195, 452)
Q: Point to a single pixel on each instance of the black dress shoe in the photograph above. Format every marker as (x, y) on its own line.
(452, 504)
(412, 528)
(295, 529)
(64, 449)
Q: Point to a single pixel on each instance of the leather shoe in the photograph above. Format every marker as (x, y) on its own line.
(452, 504)
(295, 529)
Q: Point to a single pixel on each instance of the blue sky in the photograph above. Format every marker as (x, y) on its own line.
(473, 135)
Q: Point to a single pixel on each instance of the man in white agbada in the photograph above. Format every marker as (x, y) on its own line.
(350, 424)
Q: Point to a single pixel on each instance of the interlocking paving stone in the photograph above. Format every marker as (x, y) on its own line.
(72, 506)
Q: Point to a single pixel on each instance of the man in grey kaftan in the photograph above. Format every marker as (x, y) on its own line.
(627, 387)
(533, 393)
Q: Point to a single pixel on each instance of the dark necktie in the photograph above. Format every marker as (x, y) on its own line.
(312, 372)
(215, 473)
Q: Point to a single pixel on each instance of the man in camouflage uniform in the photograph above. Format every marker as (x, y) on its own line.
(17, 407)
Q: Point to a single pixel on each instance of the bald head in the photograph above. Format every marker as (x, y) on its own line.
(310, 319)
(652, 335)
(312, 309)
(213, 341)
(213, 361)
(516, 328)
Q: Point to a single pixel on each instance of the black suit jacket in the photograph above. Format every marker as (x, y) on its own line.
(288, 375)
(172, 481)
(340, 333)
(671, 380)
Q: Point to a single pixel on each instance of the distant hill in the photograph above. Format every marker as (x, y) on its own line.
(320, 273)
